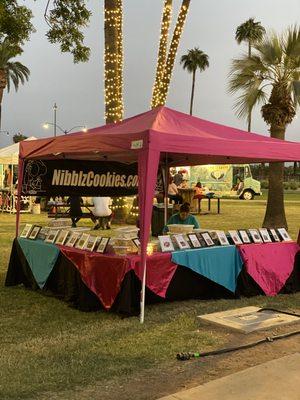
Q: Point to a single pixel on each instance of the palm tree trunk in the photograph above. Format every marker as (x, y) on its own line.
(294, 168)
(162, 52)
(249, 120)
(112, 59)
(192, 94)
(120, 57)
(3, 83)
(165, 84)
(249, 112)
(275, 212)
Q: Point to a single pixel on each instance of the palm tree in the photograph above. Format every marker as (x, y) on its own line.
(162, 49)
(10, 71)
(276, 63)
(113, 60)
(193, 60)
(164, 84)
(251, 32)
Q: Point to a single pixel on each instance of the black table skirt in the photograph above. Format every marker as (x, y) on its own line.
(65, 283)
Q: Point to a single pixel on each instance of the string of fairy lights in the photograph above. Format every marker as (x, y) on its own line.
(162, 51)
(120, 203)
(120, 54)
(113, 61)
(160, 94)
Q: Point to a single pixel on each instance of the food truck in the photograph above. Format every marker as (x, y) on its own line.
(222, 180)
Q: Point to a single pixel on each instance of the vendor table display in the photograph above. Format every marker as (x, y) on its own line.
(92, 280)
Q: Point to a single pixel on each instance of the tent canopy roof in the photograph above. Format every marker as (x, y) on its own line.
(10, 154)
(186, 139)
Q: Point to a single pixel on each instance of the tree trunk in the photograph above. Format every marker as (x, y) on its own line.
(249, 112)
(162, 52)
(113, 61)
(120, 58)
(249, 120)
(165, 84)
(294, 169)
(192, 94)
(275, 212)
(3, 83)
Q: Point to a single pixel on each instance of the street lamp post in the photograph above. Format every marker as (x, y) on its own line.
(65, 131)
(54, 121)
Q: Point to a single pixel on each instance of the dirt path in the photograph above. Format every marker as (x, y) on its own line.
(158, 382)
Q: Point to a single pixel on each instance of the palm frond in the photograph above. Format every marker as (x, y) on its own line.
(296, 93)
(249, 31)
(195, 59)
(291, 42)
(270, 50)
(251, 97)
(17, 73)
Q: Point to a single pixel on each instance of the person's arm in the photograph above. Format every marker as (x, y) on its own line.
(196, 223)
(169, 222)
(240, 188)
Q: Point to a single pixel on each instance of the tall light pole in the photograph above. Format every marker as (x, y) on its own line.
(54, 121)
(65, 131)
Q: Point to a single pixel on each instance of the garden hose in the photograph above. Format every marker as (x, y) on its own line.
(268, 339)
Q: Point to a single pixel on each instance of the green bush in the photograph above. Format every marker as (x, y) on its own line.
(294, 185)
(286, 185)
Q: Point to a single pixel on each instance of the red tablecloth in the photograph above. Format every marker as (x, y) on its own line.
(160, 271)
(103, 274)
(269, 264)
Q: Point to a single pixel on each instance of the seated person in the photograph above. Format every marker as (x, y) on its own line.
(199, 194)
(199, 191)
(239, 186)
(178, 178)
(102, 214)
(183, 217)
(173, 193)
(75, 209)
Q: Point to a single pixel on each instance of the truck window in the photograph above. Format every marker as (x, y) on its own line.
(247, 172)
(237, 172)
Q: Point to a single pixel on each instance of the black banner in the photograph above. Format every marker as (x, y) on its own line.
(79, 178)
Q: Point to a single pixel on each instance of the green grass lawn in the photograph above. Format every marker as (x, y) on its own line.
(47, 346)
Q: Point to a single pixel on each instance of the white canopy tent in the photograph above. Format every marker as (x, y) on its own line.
(10, 155)
(9, 158)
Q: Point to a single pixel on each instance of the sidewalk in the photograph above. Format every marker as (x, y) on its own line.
(277, 380)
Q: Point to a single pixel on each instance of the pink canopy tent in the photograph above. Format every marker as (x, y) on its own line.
(152, 137)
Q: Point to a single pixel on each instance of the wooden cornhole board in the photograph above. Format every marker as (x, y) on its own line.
(249, 319)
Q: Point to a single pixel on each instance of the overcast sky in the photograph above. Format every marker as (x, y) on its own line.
(78, 89)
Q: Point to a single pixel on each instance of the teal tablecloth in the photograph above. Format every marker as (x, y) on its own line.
(41, 258)
(219, 264)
